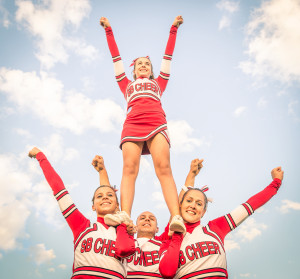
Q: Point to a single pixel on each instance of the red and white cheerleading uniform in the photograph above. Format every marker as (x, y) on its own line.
(145, 116)
(145, 262)
(200, 253)
(95, 254)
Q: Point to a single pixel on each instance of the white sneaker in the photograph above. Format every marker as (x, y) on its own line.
(177, 224)
(116, 219)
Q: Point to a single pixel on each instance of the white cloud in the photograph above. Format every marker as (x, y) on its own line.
(4, 16)
(245, 275)
(287, 205)
(14, 211)
(71, 154)
(17, 193)
(250, 229)
(23, 133)
(231, 245)
(13, 181)
(261, 210)
(51, 22)
(88, 84)
(54, 145)
(282, 93)
(45, 97)
(228, 6)
(51, 269)
(239, 111)
(6, 111)
(62, 266)
(292, 108)
(14, 186)
(13, 217)
(224, 22)
(145, 165)
(158, 198)
(42, 194)
(41, 255)
(1, 256)
(156, 184)
(273, 41)
(181, 137)
(262, 102)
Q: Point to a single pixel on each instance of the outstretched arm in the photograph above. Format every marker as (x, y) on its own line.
(114, 51)
(98, 163)
(164, 74)
(230, 221)
(72, 215)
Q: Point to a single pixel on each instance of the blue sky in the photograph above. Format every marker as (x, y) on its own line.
(232, 99)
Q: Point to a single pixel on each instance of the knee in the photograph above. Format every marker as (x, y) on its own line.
(163, 168)
(130, 168)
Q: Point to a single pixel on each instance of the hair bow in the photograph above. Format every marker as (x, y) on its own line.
(137, 59)
(204, 189)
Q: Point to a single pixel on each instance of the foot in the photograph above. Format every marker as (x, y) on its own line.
(116, 219)
(177, 224)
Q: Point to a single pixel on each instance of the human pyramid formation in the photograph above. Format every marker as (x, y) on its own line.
(186, 249)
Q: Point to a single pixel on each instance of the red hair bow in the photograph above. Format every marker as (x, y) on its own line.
(137, 59)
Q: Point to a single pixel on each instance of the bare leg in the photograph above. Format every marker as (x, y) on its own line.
(160, 152)
(131, 162)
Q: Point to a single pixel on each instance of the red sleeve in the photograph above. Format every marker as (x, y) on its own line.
(223, 225)
(164, 235)
(75, 219)
(265, 195)
(117, 60)
(125, 244)
(164, 74)
(169, 256)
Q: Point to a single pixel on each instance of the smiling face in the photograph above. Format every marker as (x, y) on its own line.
(193, 206)
(105, 201)
(142, 68)
(146, 225)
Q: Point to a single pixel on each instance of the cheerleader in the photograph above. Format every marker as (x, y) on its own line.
(95, 243)
(145, 127)
(200, 252)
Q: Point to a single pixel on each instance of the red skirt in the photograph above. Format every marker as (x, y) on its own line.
(144, 126)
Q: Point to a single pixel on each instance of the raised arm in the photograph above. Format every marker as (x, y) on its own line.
(164, 74)
(230, 221)
(196, 166)
(114, 51)
(72, 215)
(98, 163)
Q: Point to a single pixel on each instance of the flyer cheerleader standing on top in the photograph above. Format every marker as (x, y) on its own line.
(145, 127)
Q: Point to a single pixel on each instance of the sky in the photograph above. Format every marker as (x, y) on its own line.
(233, 99)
